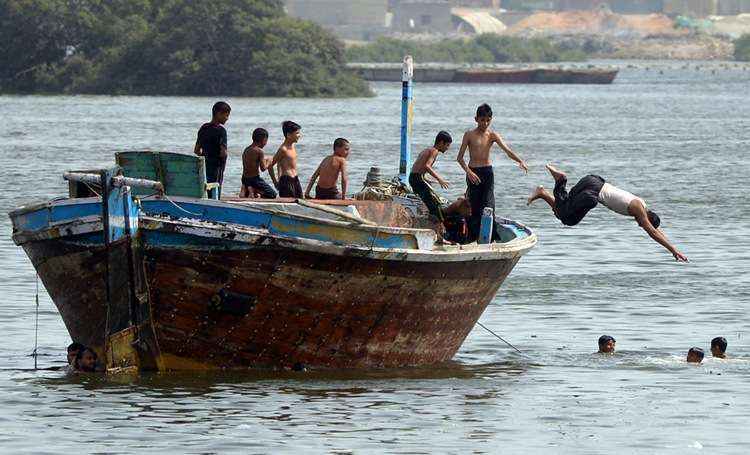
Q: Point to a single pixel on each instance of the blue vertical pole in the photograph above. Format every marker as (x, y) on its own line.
(407, 73)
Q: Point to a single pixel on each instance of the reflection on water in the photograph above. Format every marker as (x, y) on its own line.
(679, 139)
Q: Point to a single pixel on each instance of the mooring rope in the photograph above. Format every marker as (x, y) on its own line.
(36, 323)
(180, 208)
(500, 338)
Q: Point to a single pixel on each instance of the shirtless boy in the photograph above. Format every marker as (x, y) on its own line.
(329, 170)
(571, 207)
(253, 163)
(286, 159)
(479, 175)
(423, 165)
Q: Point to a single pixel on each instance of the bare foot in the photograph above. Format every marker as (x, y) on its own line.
(536, 194)
(556, 174)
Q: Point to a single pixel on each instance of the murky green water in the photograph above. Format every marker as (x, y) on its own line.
(679, 137)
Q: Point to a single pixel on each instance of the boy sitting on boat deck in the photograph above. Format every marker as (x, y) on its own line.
(423, 165)
(480, 177)
(329, 170)
(253, 163)
(286, 158)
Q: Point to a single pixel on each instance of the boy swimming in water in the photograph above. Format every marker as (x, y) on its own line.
(571, 207)
(480, 177)
(329, 170)
(253, 163)
(719, 347)
(286, 158)
(423, 165)
(606, 344)
(695, 355)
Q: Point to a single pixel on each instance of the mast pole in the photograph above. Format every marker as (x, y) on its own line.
(407, 112)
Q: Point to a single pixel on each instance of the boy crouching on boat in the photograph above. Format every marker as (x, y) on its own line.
(253, 163)
(329, 170)
(423, 165)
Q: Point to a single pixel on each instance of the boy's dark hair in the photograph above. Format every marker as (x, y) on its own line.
(259, 134)
(698, 351)
(219, 107)
(484, 110)
(340, 142)
(721, 343)
(443, 137)
(653, 218)
(76, 346)
(604, 339)
(288, 127)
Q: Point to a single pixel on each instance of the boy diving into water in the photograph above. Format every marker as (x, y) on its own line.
(571, 207)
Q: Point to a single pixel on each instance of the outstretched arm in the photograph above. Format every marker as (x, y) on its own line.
(473, 178)
(312, 182)
(506, 148)
(658, 236)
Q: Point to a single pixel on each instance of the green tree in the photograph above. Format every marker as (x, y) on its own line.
(35, 37)
(742, 48)
(177, 47)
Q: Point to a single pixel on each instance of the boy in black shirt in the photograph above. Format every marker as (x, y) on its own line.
(212, 143)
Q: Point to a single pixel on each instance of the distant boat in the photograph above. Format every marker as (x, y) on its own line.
(490, 74)
(172, 283)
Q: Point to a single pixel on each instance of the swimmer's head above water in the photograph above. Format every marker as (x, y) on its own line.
(719, 347)
(607, 344)
(695, 355)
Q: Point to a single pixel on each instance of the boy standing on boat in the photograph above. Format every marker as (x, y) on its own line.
(423, 165)
(571, 207)
(212, 143)
(480, 177)
(253, 163)
(286, 158)
(329, 170)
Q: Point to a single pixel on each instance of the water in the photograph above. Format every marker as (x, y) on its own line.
(679, 139)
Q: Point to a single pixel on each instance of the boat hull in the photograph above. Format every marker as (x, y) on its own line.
(313, 309)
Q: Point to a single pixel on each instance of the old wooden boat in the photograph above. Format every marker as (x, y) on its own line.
(147, 267)
(169, 282)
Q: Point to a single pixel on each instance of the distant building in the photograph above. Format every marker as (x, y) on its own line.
(422, 16)
(486, 4)
(733, 7)
(356, 19)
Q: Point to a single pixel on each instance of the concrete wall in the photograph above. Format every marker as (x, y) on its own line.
(617, 6)
(340, 12)
(423, 16)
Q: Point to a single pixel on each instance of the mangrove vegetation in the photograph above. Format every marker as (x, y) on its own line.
(485, 48)
(168, 47)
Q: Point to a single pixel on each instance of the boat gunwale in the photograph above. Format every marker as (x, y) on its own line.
(253, 235)
(439, 253)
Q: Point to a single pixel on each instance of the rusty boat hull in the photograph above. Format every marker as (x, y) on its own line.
(226, 290)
